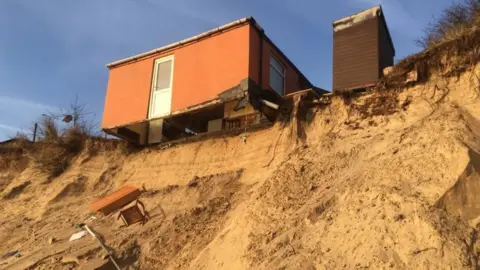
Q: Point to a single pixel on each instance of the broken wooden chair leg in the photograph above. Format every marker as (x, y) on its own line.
(133, 214)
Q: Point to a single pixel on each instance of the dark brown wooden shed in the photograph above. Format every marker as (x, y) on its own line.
(362, 48)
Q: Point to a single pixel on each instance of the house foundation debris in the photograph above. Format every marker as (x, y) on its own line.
(238, 107)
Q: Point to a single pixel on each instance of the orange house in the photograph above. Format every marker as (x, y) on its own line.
(195, 85)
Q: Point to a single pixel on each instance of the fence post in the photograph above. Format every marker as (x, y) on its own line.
(35, 132)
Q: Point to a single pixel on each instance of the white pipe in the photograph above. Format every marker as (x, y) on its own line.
(103, 246)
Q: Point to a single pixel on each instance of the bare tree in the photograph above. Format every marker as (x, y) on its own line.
(82, 118)
(76, 116)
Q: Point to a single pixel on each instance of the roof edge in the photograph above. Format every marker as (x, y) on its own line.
(367, 13)
(375, 11)
(389, 36)
(282, 54)
(246, 20)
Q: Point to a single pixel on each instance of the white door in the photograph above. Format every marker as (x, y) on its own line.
(161, 99)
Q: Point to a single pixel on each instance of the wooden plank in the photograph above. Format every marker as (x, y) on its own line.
(115, 200)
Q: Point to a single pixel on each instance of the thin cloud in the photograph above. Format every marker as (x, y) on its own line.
(10, 102)
(10, 128)
(19, 114)
(7, 132)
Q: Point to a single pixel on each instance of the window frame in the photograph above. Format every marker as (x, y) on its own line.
(283, 74)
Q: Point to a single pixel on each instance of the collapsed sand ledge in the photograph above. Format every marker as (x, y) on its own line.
(382, 179)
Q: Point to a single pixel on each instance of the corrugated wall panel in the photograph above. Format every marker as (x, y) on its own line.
(386, 51)
(356, 55)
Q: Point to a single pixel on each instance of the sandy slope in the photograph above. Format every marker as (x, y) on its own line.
(382, 180)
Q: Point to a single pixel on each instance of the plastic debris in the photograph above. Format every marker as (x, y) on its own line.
(77, 235)
(11, 254)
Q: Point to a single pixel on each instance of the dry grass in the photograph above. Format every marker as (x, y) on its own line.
(12, 156)
(448, 59)
(49, 158)
(55, 155)
(13, 161)
(455, 20)
(73, 140)
(452, 46)
(48, 129)
(56, 148)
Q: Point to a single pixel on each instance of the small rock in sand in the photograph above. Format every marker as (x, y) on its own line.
(104, 255)
(70, 258)
(51, 240)
(399, 217)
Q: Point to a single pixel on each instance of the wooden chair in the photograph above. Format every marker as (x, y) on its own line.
(133, 214)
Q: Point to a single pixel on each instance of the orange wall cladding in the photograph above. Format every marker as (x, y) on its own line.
(202, 70)
(292, 78)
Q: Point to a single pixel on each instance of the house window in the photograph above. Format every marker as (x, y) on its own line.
(277, 75)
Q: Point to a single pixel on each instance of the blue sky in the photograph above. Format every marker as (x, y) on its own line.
(53, 50)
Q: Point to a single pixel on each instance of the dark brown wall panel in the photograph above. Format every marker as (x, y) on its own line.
(387, 53)
(356, 55)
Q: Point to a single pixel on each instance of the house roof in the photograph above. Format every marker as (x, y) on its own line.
(185, 41)
(361, 16)
(13, 140)
(204, 35)
(7, 141)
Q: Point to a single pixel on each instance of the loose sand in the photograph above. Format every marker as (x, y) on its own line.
(384, 180)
